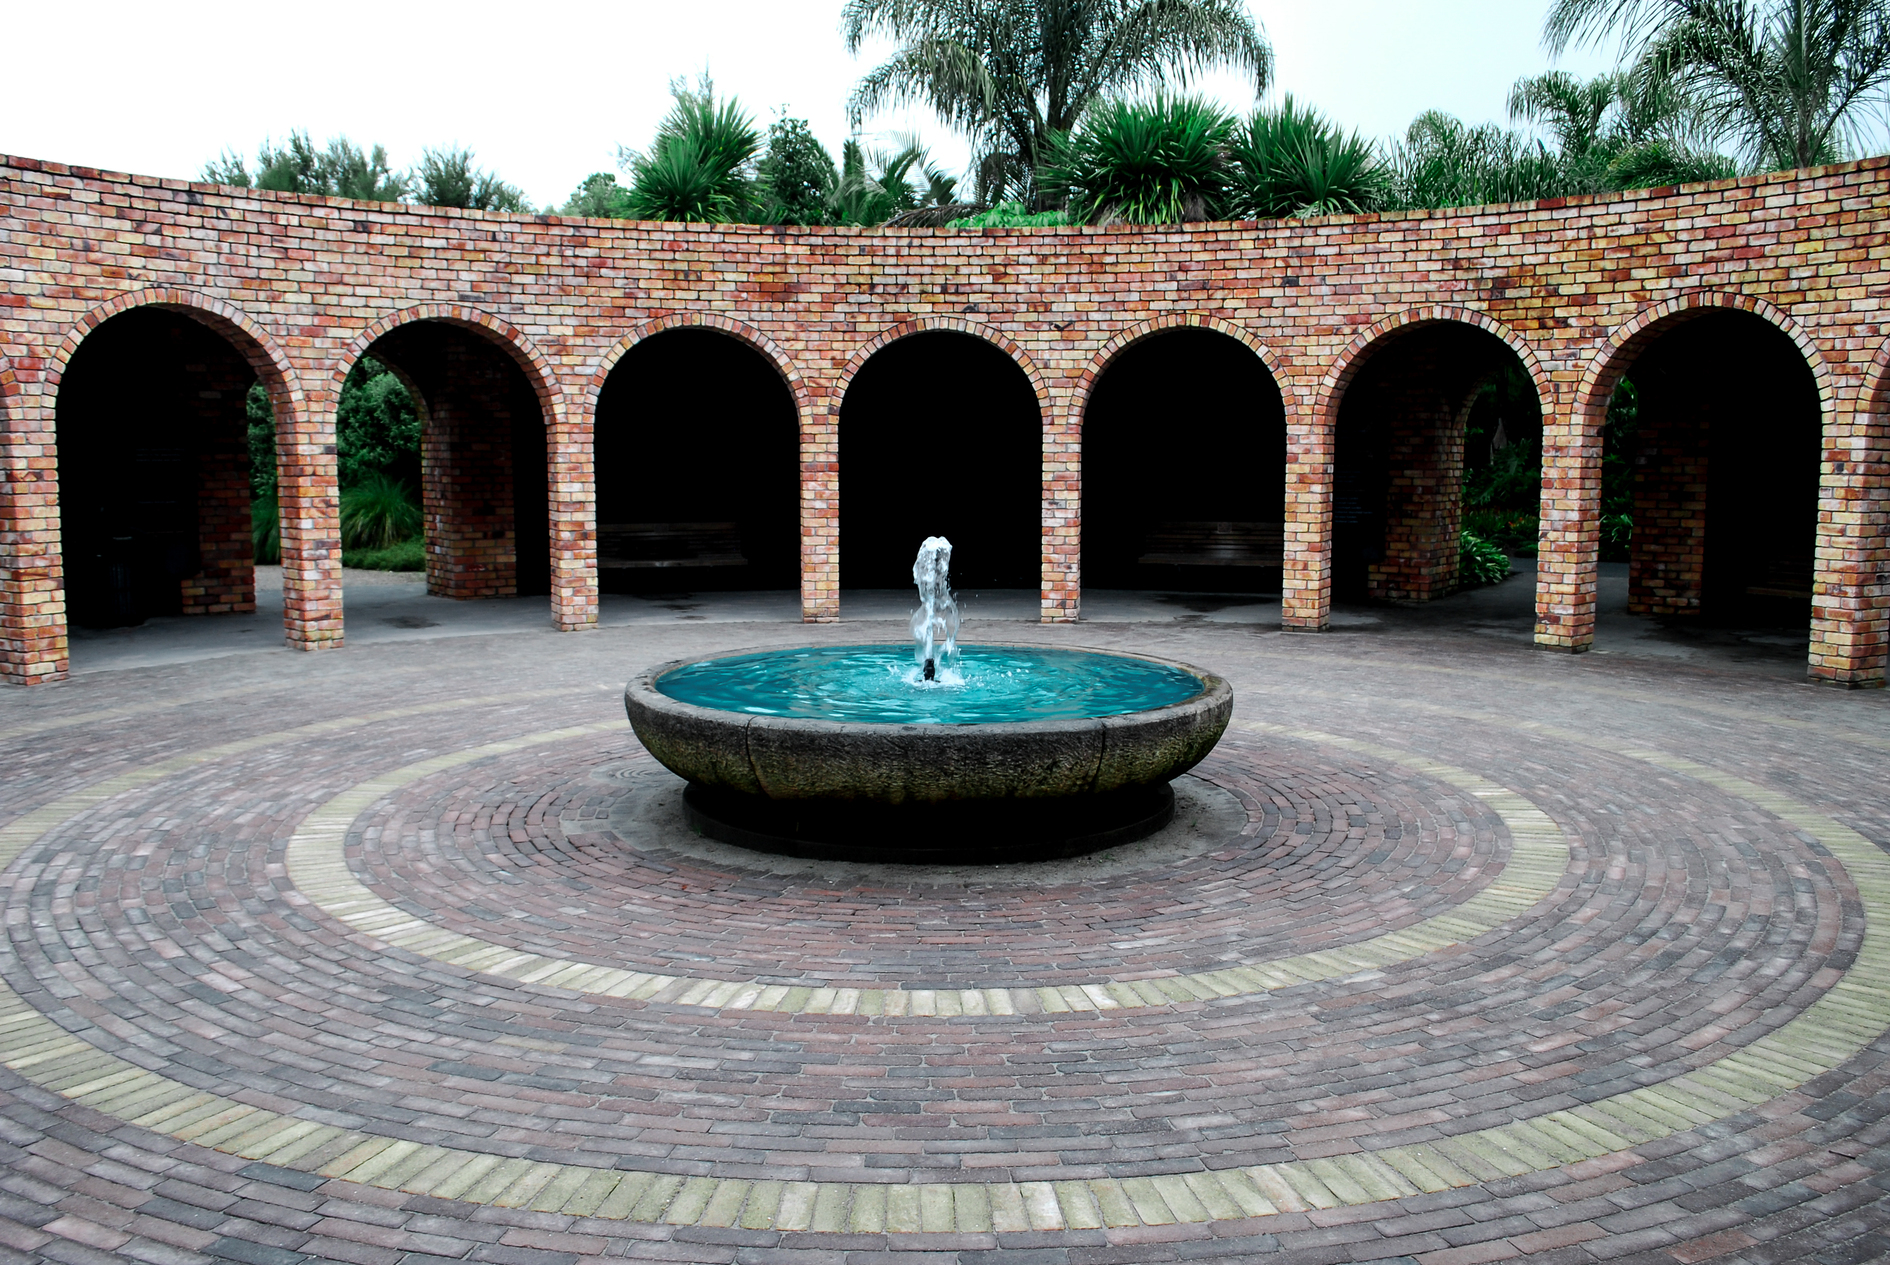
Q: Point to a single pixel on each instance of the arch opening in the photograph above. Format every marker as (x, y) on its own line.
(152, 432)
(482, 462)
(1714, 460)
(698, 468)
(941, 434)
(1438, 467)
(1184, 468)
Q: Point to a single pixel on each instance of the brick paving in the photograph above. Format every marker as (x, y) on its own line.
(1670, 1047)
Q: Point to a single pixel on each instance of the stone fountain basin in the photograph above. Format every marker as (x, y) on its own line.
(790, 759)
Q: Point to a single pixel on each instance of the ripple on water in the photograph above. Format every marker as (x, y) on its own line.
(882, 683)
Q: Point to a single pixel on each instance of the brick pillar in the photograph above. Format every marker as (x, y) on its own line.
(1060, 590)
(225, 548)
(1306, 582)
(1568, 548)
(1849, 634)
(1424, 495)
(1667, 561)
(308, 496)
(573, 496)
(820, 508)
(32, 585)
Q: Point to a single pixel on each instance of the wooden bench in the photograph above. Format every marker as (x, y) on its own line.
(1215, 545)
(628, 546)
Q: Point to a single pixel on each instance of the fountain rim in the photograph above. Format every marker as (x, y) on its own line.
(643, 685)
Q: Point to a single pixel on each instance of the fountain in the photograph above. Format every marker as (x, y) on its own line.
(937, 753)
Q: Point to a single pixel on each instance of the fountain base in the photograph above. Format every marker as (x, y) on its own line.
(953, 832)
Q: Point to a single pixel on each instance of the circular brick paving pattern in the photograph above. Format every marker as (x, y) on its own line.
(1456, 954)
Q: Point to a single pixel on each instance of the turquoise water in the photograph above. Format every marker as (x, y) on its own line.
(882, 683)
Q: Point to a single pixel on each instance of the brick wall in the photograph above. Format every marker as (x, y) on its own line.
(301, 286)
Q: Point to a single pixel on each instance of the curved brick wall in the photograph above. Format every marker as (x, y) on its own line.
(302, 286)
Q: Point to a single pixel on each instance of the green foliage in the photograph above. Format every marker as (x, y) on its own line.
(1480, 562)
(701, 167)
(1291, 161)
(343, 170)
(1443, 163)
(404, 555)
(874, 185)
(265, 529)
(262, 442)
(379, 512)
(447, 177)
(598, 197)
(1011, 215)
(377, 427)
(1515, 531)
(1617, 472)
(1011, 74)
(797, 175)
(1141, 162)
(1615, 132)
(1790, 83)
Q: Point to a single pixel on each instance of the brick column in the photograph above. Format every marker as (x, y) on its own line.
(1311, 445)
(1424, 500)
(1849, 634)
(225, 547)
(572, 479)
(820, 507)
(1568, 548)
(308, 494)
(32, 585)
(1667, 561)
(1060, 589)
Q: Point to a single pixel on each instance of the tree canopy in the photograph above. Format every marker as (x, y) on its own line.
(444, 177)
(1011, 74)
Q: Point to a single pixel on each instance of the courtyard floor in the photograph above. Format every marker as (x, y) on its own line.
(1458, 952)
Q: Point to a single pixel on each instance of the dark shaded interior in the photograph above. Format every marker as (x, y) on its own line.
(1736, 389)
(1184, 468)
(698, 468)
(472, 388)
(149, 402)
(1424, 379)
(940, 435)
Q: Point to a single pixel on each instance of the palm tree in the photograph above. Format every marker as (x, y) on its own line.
(1789, 81)
(701, 167)
(1013, 73)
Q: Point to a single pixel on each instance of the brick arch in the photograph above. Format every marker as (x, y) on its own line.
(242, 331)
(1876, 393)
(955, 325)
(741, 331)
(504, 334)
(1332, 388)
(1124, 339)
(1626, 343)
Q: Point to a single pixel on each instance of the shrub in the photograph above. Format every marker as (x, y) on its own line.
(1291, 161)
(265, 530)
(1513, 531)
(1142, 162)
(406, 555)
(1480, 562)
(378, 512)
(1011, 215)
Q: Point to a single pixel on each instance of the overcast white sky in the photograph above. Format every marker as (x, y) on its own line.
(544, 92)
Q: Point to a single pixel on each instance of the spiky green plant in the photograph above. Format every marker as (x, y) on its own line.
(1480, 562)
(1011, 215)
(1290, 160)
(1443, 163)
(1157, 161)
(378, 512)
(700, 168)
